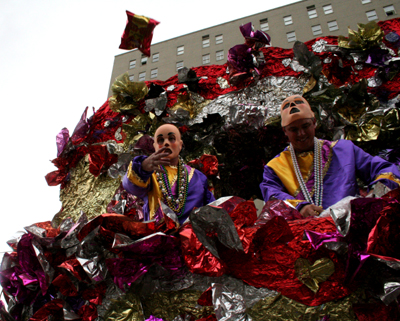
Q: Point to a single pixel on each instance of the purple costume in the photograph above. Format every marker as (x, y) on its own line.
(342, 163)
(144, 184)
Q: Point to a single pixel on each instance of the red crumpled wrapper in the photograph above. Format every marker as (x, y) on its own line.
(384, 237)
(270, 263)
(100, 159)
(197, 258)
(65, 285)
(138, 33)
(207, 164)
(53, 308)
(88, 312)
(116, 223)
(376, 311)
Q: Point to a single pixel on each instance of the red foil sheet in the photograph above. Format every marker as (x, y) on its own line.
(100, 159)
(197, 258)
(116, 223)
(207, 164)
(88, 312)
(53, 308)
(384, 238)
(277, 246)
(376, 311)
(138, 33)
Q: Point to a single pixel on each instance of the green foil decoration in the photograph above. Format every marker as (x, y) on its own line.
(126, 94)
(313, 274)
(168, 305)
(282, 308)
(368, 35)
(128, 308)
(191, 102)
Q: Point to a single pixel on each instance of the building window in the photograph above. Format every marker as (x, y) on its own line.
(291, 36)
(180, 50)
(142, 76)
(131, 77)
(219, 39)
(206, 59)
(179, 65)
(389, 10)
(287, 20)
(143, 61)
(264, 24)
(154, 73)
(219, 55)
(156, 57)
(365, 1)
(312, 12)
(371, 15)
(132, 64)
(206, 41)
(328, 9)
(316, 30)
(332, 25)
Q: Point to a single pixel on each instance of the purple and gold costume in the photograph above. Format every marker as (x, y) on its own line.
(342, 162)
(144, 184)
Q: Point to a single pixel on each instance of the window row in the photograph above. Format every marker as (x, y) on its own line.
(312, 13)
(389, 11)
(316, 30)
(142, 75)
(328, 9)
(143, 60)
(206, 40)
(219, 55)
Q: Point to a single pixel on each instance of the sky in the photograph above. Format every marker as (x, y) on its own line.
(56, 58)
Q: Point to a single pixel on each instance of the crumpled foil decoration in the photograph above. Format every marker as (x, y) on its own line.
(86, 193)
(367, 36)
(270, 90)
(312, 274)
(138, 33)
(126, 94)
(77, 268)
(206, 220)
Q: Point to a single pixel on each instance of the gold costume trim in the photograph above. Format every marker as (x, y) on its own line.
(388, 176)
(191, 173)
(135, 179)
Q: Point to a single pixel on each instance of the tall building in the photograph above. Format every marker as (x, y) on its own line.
(303, 21)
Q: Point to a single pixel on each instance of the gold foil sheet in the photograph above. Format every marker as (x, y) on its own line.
(85, 192)
(126, 93)
(128, 308)
(310, 85)
(191, 102)
(367, 36)
(167, 305)
(282, 308)
(141, 123)
(313, 274)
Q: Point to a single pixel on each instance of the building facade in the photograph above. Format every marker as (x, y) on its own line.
(303, 21)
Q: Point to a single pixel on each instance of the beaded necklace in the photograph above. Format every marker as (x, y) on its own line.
(178, 203)
(318, 180)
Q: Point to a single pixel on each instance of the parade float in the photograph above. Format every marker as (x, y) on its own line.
(98, 260)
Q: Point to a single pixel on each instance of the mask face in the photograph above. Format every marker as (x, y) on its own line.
(168, 136)
(294, 108)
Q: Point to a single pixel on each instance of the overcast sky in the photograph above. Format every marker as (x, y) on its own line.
(56, 58)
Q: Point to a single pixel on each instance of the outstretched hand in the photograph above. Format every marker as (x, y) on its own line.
(155, 160)
(310, 210)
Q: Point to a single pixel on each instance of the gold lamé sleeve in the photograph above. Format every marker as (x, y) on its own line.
(135, 179)
(389, 176)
